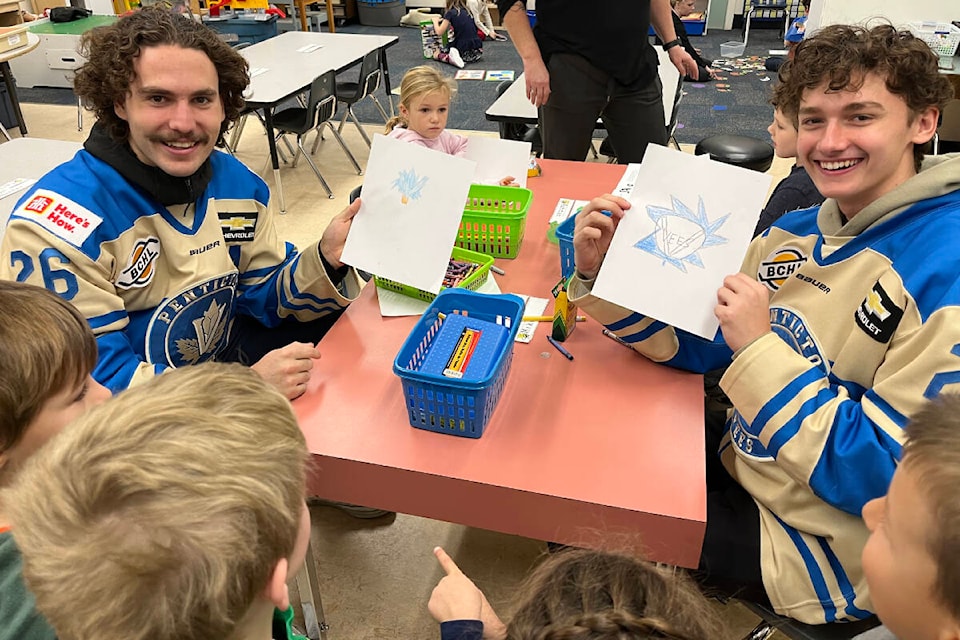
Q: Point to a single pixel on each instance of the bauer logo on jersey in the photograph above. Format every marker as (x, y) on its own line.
(192, 326)
(62, 217)
(238, 227)
(877, 315)
(780, 265)
(141, 265)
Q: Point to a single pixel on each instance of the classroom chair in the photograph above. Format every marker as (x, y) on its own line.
(768, 7)
(771, 622)
(350, 93)
(741, 151)
(311, 606)
(320, 106)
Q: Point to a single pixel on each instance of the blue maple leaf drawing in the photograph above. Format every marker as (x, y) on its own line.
(410, 185)
(680, 233)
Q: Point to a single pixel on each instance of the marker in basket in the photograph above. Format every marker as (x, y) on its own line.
(548, 318)
(566, 354)
(462, 353)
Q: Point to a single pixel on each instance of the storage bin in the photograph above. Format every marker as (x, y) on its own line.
(243, 29)
(473, 282)
(494, 219)
(565, 240)
(942, 37)
(381, 14)
(459, 406)
(732, 49)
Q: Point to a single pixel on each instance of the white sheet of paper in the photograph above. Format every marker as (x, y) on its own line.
(689, 227)
(396, 304)
(14, 186)
(532, 307)
(496, 159)
(412, 203)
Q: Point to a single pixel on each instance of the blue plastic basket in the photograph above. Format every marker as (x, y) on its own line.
(565, 240)
(455, 406)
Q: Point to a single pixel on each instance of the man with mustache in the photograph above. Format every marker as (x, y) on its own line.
(167, 246)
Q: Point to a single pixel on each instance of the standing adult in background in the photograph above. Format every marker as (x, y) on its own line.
(588, 60)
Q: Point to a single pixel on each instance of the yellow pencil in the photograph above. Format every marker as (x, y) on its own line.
(548, 318)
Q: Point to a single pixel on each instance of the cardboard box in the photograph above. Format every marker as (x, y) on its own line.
(40, 5)
(13, 37)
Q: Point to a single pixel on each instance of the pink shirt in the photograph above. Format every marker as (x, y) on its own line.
(449, 143)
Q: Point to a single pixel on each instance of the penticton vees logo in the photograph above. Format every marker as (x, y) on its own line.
(779, 266)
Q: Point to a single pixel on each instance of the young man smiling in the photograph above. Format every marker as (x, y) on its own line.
(167, 246)
(843, 319)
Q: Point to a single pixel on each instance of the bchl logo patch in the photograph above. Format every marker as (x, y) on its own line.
(877, 315)
(238, 227)
(62, 217)
(780, 265)
(191, 326)
(141, 265)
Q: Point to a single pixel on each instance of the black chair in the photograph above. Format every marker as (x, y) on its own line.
(350, 93)
(741, 151)
(771, 622)
(320, 107)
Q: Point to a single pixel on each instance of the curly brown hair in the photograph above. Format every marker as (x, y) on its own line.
(104, 81)
(589, 595)
(842, 55)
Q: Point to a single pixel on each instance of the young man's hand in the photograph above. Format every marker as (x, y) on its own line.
(288, 368)
(335, 235)
(456, 598)
(593, 232)
(743, 309)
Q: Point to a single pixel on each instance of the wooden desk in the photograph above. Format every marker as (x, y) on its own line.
(605, 451)
(290, 72)
(33, 41)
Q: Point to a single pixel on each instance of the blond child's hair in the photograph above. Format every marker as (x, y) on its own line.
(932, 451)
(419, 81)
(162, 513)
(46, 346)
(590, 595)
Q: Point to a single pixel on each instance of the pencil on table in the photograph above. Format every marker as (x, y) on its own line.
(548, 318)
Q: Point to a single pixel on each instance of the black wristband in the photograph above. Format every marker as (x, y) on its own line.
(673, 43)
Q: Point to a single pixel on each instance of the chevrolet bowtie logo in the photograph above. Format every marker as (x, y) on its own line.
(875, 305)
(237, 222)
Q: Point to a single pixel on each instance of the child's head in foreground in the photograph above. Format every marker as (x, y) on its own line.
(47, 352)
(424, 101)
(174, 511)
(589, 595)
(865, 101)
(912, 558)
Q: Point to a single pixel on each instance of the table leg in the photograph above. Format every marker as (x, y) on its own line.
(12, 92)
(386, 78)
(302, 10)
(331, 26)
(274, 160)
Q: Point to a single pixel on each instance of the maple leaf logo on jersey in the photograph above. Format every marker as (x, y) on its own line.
(210, 329)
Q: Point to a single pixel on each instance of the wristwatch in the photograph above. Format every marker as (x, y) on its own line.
(673, 43)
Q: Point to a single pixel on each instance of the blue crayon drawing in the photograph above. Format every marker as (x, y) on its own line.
(680, 234)
(409, 185)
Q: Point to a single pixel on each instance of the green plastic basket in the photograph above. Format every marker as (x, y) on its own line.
(494, 219)
(472, 282)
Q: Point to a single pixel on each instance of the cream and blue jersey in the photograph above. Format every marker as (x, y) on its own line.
(159, 285)
(865, 319)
